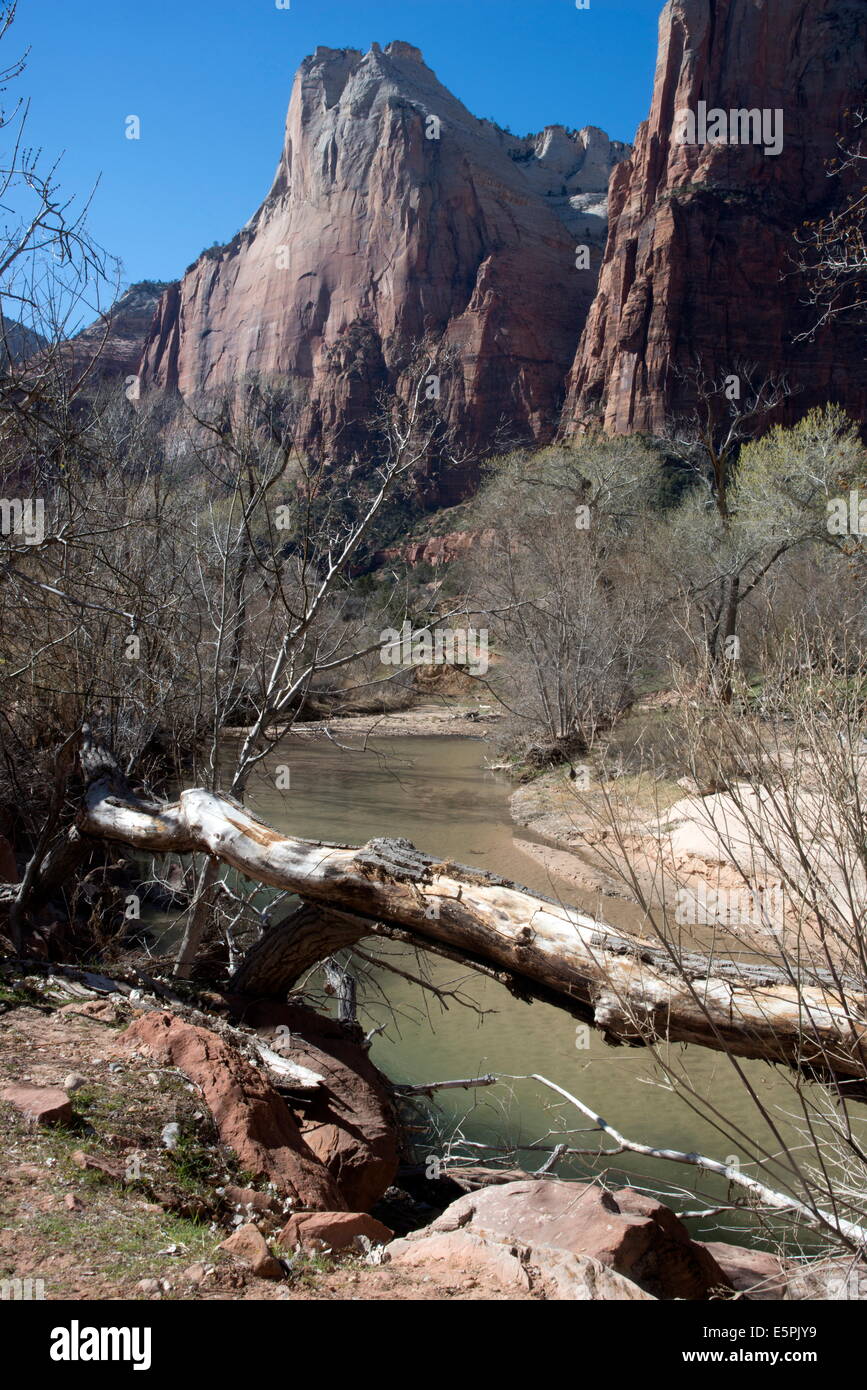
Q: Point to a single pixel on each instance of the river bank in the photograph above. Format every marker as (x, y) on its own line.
(118, 1183)
(439, 790)
(655, 842)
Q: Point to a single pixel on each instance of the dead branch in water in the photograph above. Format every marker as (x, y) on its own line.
(855, 1236)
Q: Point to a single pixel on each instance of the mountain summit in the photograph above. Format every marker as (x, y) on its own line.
(396, 217)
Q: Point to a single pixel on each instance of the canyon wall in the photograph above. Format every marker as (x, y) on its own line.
(699, 260)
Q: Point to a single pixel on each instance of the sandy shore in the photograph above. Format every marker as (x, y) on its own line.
(694, 860)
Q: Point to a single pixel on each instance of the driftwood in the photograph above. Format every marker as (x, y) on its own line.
(468, 1084)
(631, 989)
(854, 1235)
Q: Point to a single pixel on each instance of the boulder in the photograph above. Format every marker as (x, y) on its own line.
(464, 1256)
(760, 1275)
(626, 1232)
(41, 1105)
(349, 1121)
(265, 1206)
(252, 1118)
(542, 1269)
(332, 1230)
(756, 1273)
(250, 1248)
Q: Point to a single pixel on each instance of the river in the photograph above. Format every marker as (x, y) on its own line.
(437, 792)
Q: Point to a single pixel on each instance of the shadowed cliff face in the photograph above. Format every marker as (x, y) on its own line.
(394, 217)
(698, 260)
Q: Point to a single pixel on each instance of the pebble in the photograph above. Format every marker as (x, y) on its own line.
(170, 1135)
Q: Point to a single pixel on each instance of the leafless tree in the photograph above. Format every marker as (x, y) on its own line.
(786, 825)
(832, 250)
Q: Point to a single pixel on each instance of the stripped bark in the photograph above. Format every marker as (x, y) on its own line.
(633, 990)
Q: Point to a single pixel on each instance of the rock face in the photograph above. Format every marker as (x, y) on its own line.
(626, 1233)
(396, 217)
(701, 235)
(114, 343)
(436, 550)
(17, 342)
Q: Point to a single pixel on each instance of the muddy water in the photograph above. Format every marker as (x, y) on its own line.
(437, 793)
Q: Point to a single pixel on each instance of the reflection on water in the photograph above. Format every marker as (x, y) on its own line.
(437, 793)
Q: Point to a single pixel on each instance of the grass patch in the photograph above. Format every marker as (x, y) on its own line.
(123, 1244)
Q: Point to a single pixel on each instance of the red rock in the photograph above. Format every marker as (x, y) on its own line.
(90, 1008)
(374, 236)
(546, 1270)
(635, 1236)
(112, 346)
(251, 1116)
(756, 1273)
(349, 1123)
(701, 237)
(248, 1199)
(41, 1105)
(116, 1170)
(331, 1230)
(464, 1256)
(437, 550)
(249, 1246)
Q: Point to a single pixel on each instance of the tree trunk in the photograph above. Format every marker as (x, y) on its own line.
(343, 985)
(308, 935)
(198, 919)
(633, 990)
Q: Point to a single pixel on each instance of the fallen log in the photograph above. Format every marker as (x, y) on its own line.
(635, 991)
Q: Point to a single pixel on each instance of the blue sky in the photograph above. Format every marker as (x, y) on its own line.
(210, 81)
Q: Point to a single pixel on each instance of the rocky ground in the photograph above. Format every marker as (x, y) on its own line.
(98, 1207)
(118, 1181)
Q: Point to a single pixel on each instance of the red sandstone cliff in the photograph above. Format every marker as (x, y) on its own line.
(701, 236)
(114, 343)
(375, 236)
